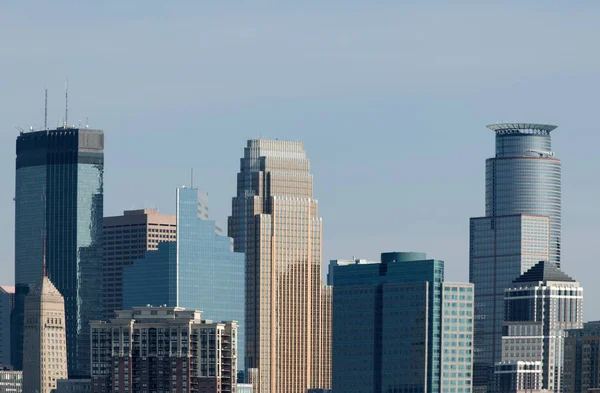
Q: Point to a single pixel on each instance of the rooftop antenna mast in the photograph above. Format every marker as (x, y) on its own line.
(46, 110)
(66, 103)
(192, 178)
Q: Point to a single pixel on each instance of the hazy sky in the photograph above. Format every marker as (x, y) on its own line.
(390, 99)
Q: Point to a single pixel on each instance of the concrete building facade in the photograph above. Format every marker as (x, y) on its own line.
(275, 221)
(581, 370)
(11, 381)
(542, 304)
(163, 349)
(45, 344)
(127, 238)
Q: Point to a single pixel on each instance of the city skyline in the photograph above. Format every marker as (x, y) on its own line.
(426, 95)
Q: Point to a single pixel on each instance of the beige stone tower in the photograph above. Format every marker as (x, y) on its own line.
(276, 222)
(44, 348)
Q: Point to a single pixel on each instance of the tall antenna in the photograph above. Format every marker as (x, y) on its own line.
(66, 103)
(192, 178)
(46, 110)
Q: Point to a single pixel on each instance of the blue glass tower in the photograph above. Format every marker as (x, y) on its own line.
(387, 324)
(59, 192)
(522, 226)
(199, 271)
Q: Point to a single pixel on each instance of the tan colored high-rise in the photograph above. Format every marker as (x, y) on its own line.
(275, 221)
(44, 347)
(127, 238)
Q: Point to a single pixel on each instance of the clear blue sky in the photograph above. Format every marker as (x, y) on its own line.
(390, 99)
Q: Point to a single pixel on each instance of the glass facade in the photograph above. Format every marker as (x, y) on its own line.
(379, 310)
(457, 338)
(59, 193)
(199, 271)
(522, 226)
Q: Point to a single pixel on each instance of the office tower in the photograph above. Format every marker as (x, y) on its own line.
(581, 369)
(244, 388)
(539, 307)
(456, 349)
(198, 271)
(11, 381)
(163, 349)
(343, 262)
(59, 191)
(275, 221)
(73, 386)
(521, 227)
(7, 300)
(127, 238)
(45, 346)
(398, 327)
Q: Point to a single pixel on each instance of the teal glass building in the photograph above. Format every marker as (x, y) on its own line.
(59, 208)
(387, 325)
(199, 271)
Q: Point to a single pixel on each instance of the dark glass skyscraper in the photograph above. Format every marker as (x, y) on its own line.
(521, 227)
(59, 192)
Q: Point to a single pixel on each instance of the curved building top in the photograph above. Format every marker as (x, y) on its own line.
(522, 128)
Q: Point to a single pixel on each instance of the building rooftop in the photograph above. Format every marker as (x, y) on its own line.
(544, 271)
(522, 128)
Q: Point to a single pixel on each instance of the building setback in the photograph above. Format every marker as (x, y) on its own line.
(275, 221)
(45, 347)
(542, 304)
(59, 191)
(398, 327)
(163, 349)
(7, 301)
(127, 238)
(198, 271)
(522, 225)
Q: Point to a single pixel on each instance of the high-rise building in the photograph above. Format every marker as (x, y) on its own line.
(275, 221)
(127, 238)
(11, 381)
(539, 307)
(7, 301)
(59, 191)
(198, 271)
(163, 349)
(581, 367)
(456, 347)
(45, 346)
(397, 327)
(521, 227)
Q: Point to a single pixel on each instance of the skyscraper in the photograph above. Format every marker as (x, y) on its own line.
(127, 238)
(398, 327)
(45, 347)
(275, 221)
(520, 228)
(199, 271)
(539, 307)
(7, 298)
(59, 191)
